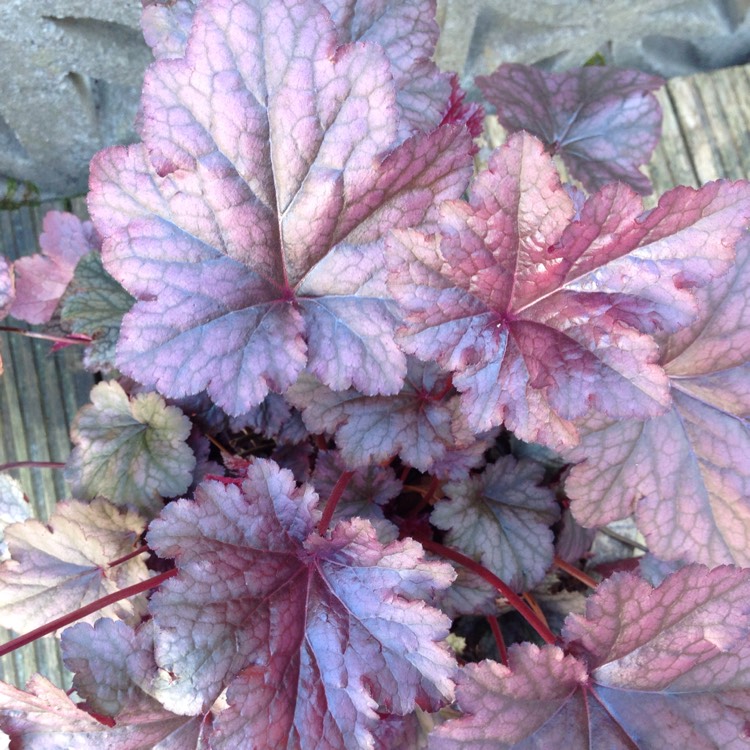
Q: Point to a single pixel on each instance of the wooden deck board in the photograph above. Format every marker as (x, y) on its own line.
(706, 135)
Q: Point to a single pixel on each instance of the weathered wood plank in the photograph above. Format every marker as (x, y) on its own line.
(40, 393)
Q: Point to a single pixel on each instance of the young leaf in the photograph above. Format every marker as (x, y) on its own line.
(14, 508)
(685, 475)
(420, 424)
(94, 305)
(664, 667)
(502, 519)
(41, 279)
(541, 319)
(129, 451)
(64, 565)
(246, 272)
(603, 121)
(311, 635)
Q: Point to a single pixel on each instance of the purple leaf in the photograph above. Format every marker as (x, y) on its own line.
(502, 519)
(246, 273)
(664, 667)
(115, 672)
(542, 320)
(311, 635)
(132, 452)
(41, 279)
(420, 424)
(45, 718)
(64, 565)
(7, 287)
(603, 121)
(690, 500)
(534, 699)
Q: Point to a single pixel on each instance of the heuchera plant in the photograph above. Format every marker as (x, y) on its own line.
(363, 392)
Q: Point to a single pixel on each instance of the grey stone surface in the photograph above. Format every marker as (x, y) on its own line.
(72, 72)
(667, 37)
(72, 69)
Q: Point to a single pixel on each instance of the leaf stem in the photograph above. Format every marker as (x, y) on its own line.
(571, 570)
(73, 339)
(32, 465)
(495, 628)
(514, 599)
(333, 501)
(77, 614)
(129, 556)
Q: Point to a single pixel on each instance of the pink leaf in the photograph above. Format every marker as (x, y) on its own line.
(658, 668)
(62, 566)
(311, 635)
(685, 475)
(603, 121)
(541, 319)
(250, 222)
(502, 519)
(7, 287)
(41, 279)
(421, 423)
(45, 718)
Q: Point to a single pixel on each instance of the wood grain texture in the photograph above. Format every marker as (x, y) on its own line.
(40, 393)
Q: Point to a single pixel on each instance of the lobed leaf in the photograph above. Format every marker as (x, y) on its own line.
(543, 318)
(64, 565)
(663, 667)
(421, 423)
(129, 451)
(246, 273)
(41, 279)
(311, 635)
(603, 121)
(45, 718)
(685, 475)
(94, 304)
(502, 519)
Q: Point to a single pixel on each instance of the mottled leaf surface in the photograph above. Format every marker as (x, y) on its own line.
(59, 567)
(41, 279)
(7, 287)
(114, 671)
(664, 667)
(94, 305)
(249, 223)
(685, 475)
(502, 519)
(603, 121)
(44, 718)
(541, 319)
(420, 424)
(13, 508)
(131, 451)
(166, 26)
(312, 634)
